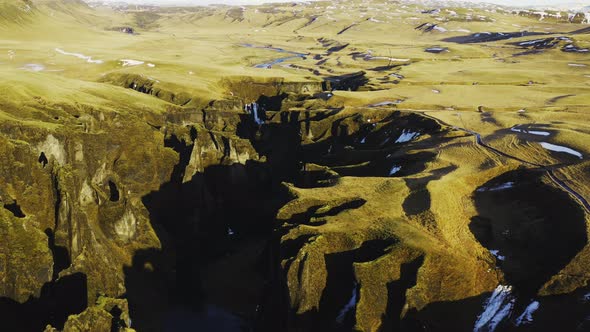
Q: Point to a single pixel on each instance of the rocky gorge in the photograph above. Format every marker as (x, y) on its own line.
(158, 216)
(206, 177)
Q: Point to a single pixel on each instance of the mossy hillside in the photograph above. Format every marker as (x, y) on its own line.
(380, 218)
(96, 134)
(86, 146)
(107, 314)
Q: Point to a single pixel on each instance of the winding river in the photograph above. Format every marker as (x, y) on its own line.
(268, 65)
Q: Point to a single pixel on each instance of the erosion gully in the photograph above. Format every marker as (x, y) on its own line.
(547, 168)
(527, 268)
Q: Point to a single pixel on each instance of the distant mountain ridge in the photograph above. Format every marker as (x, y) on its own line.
(426, 3)
(46, 12)
(565, 6)
(565, 13)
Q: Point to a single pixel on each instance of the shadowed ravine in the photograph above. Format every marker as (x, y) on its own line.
(221, 216)
(306, 166)
(225, 265)
(537, 228)
(218, 267)
(58, 300)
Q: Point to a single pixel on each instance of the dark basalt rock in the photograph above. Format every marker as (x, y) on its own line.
(544, 43)
(529, 52)
(346, 29)
(124, 29)
(337, 48)
(431, 11)
(572, 48)
(345, 82)
(436, 50)
(484, 37)
(536, 46)
(426, 27)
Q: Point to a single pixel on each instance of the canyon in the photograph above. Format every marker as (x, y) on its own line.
(272, 168)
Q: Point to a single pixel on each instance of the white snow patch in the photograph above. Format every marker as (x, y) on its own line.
(369, 57)
(79, 55)
(559, 148)
(440, 29)
(407, 136)
(33, 67)
(496, 308)
(386, 103)
(527, 315)
(349, 306)
(576, 65)
(541, 14)
(395, 169)
(397, 59)
(532, 132)
(151, 65)
(503, 186)
(130, 62)
(531, 42)
(496, 254)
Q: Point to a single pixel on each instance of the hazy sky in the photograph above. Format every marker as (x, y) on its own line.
(253, 2)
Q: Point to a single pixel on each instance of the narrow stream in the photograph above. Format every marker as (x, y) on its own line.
(268, 65)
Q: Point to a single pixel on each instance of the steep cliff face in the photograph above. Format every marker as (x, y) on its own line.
(195, 175)
(171, 93)
(361, 246)
(314, 220)
(72, 188)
